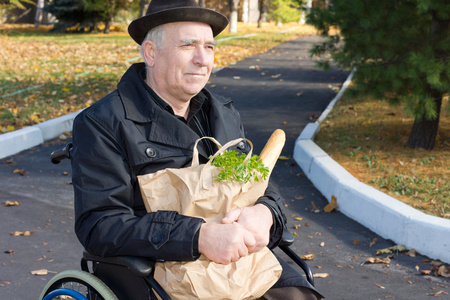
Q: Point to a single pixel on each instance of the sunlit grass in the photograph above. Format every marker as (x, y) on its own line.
(368, 138)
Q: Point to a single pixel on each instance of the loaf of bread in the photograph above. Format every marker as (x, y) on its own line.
(272, 150)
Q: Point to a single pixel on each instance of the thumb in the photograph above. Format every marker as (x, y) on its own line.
(231, 216)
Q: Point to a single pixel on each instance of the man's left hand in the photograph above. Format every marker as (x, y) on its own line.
(256, 219)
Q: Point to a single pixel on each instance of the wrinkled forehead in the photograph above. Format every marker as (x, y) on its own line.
(190, 30)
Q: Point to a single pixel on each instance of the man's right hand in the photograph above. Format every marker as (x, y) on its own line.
(224, 243)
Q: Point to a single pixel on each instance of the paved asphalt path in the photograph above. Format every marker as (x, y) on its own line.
(279, 89)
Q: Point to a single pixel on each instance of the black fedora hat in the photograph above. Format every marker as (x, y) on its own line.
(167, 11)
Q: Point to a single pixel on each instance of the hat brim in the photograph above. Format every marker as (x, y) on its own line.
(139, 28)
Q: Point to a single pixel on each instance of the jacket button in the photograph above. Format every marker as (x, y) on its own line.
(156, 239)
(150, 152)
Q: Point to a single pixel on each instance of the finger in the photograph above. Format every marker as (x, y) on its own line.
(249, 240)
(243, 250)
(231, 216)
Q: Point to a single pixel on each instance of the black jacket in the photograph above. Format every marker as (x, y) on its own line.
(126, 134)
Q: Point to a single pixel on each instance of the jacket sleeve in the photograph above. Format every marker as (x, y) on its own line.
(273, 200)
(106, 222)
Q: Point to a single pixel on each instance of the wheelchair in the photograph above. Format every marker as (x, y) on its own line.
(114, 278)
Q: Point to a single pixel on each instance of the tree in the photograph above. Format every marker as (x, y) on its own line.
(262, 12)
(283, 11)
(71, 13)
(234, 6)
(106, 10)
(401, 51)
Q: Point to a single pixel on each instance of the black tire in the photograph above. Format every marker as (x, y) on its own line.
(85, 283)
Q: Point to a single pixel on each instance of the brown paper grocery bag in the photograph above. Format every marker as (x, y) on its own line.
(192, 191)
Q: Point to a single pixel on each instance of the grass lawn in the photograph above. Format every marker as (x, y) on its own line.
(67, 72)
(368, 138)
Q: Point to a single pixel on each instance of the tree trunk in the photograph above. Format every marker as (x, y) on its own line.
(262, 12)
(107, 26)
(38, 16)
(234, 15)
(424, 132)
(142, 7)
(246, 11)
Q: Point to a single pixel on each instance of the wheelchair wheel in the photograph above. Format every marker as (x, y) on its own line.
(82, 284)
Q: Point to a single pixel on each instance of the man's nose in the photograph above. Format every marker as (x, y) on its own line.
(201, 56)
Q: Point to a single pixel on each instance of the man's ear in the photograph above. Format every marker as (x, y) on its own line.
(149, 49)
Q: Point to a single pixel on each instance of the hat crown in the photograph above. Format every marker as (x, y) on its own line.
(160, 5)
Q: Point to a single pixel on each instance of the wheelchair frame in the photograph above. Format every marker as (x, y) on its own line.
(138, 266)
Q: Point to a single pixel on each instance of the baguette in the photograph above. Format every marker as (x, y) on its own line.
(272, 150)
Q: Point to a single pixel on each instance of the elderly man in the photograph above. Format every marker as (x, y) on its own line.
(150, 122)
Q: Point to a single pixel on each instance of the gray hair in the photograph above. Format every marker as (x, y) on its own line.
(156, 35)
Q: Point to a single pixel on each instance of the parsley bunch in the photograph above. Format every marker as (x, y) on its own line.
(233, 168)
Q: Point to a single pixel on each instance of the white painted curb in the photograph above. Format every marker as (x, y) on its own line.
(383, 214)
(22, 139)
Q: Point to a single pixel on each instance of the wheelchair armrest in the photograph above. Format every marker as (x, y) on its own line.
(58, 155)
(287, 239)
(139, 266)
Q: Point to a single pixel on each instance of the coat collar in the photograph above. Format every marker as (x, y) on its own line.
(165, 129)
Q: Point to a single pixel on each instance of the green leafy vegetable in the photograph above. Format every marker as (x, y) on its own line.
(234, 168)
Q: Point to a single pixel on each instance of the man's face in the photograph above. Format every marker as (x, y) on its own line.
(182, 67)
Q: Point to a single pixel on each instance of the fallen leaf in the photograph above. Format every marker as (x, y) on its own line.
(436, 263)
(20, 172)
(308, 257)
(355, 242)
(299, 94)
(396, 248)
(298, 218)
(10, 252)
(438, 294)
(322, 244)
(321, 275)
(372, 260)
(40, 272)
(12, 203)
(314, 207)
(313, 117)
(380, 286)
(297, 226)
(236, 77)
(23, 233)
(331, 206)
(411, 253)
(373, 242)
(281, 157)
(443, 271)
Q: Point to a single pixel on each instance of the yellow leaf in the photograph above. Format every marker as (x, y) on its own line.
(65, 90)
(331, 206)
(40, 272)
(308, 257)
(284, 157)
